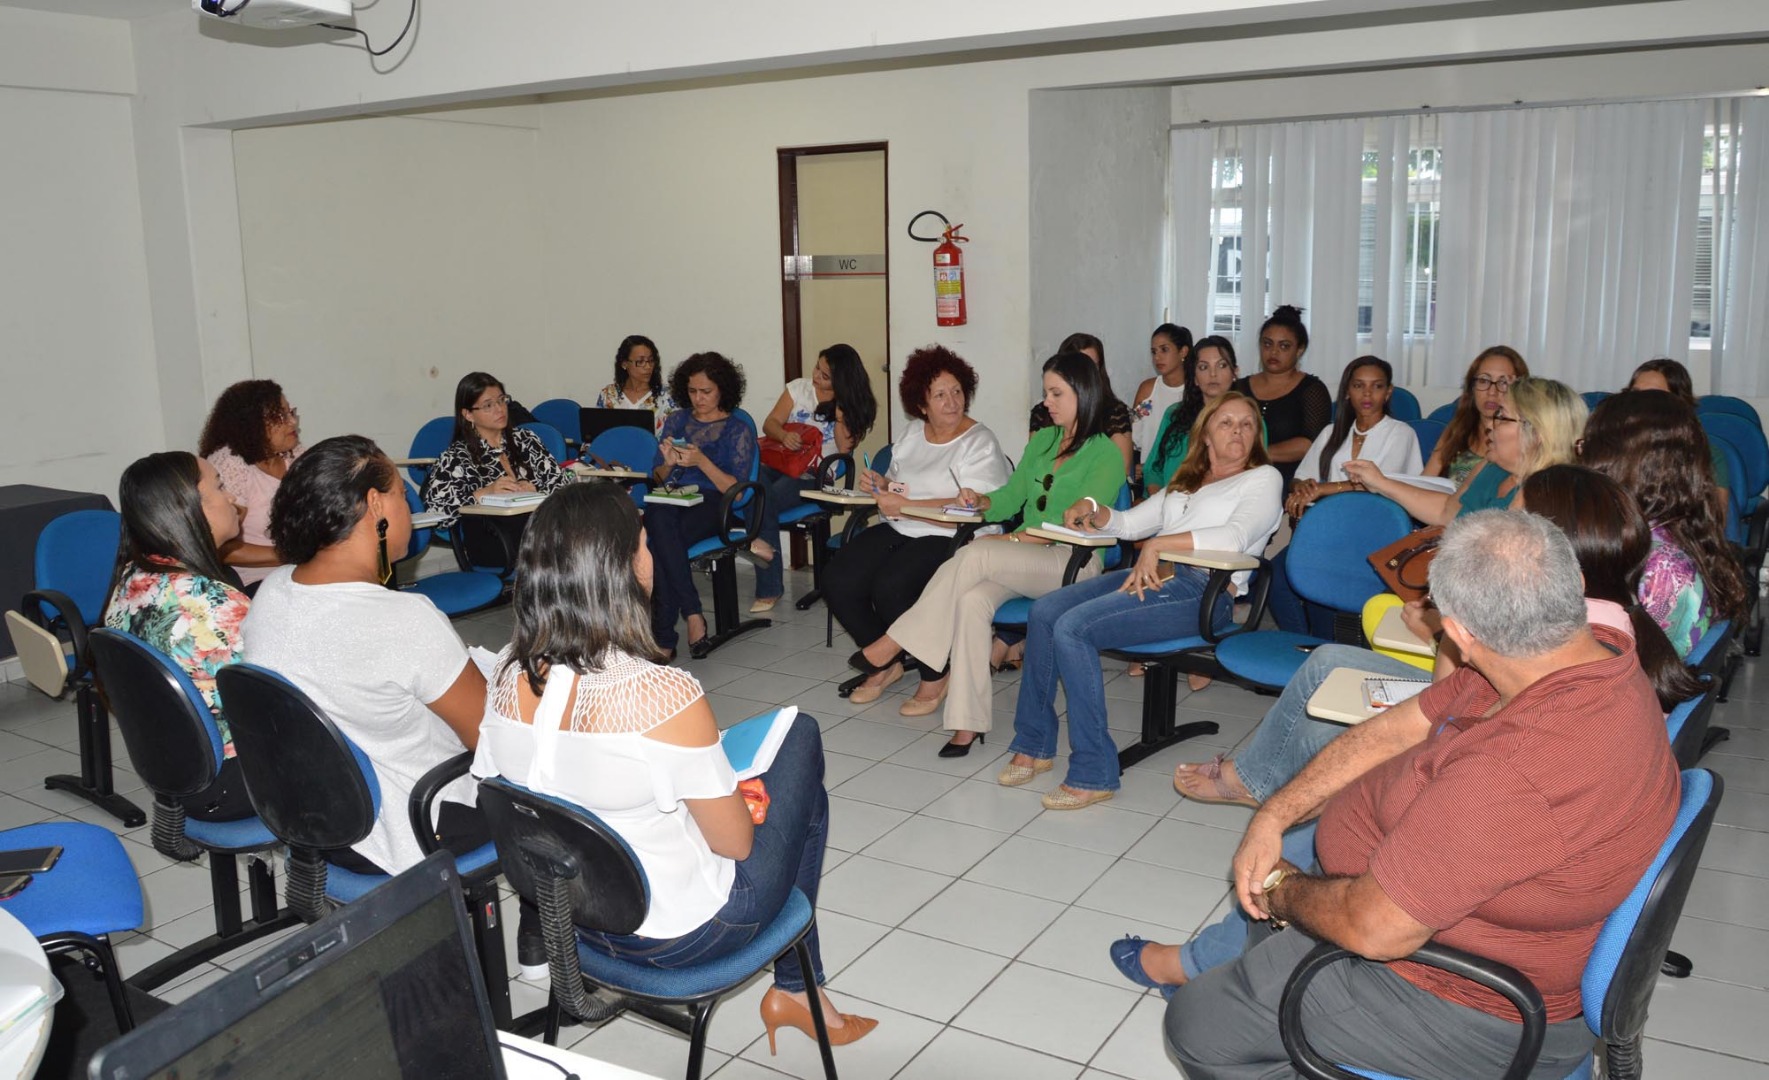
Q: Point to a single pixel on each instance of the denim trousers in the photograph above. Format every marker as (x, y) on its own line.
(669, 532)
(787, 851)
(1064, 636)
(783, 495)
(1224, 940)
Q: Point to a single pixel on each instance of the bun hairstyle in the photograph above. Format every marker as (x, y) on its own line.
(1288, 317)
(325, 494)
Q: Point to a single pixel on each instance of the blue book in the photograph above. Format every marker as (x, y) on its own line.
(751, 744)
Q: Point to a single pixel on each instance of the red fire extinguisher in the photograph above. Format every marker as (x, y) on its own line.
(949, 306)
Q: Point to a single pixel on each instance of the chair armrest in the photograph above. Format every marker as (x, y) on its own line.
(424, 793)
(749, 522)
(1213, 560)
(858, 521)
(827, 474)
(1500, 978)
(68, 614)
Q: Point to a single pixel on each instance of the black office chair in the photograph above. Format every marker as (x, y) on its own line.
(316, 791)
(579, 872)
(175, 747)
(813, 519)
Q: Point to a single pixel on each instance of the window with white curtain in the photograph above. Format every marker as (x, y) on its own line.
(1589, 237)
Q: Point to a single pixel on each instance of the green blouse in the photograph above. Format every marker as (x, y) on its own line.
(1096, 470)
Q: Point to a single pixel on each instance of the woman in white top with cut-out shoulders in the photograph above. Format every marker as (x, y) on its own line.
(580, 709)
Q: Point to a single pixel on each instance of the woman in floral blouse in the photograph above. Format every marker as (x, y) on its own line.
(638, 381)
(173, 592)
(487, 455)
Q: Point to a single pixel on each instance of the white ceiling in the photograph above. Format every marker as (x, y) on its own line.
(110, 9)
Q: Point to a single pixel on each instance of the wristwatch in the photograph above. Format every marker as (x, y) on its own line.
(1270, 885)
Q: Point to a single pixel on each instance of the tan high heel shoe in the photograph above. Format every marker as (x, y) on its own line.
(780, 1010)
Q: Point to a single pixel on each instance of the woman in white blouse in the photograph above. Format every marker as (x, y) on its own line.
(580, 708)
(1225, 495)
(874, 580)
(1362, 429)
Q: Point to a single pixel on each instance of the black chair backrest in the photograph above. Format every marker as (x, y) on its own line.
(166, 725)
(311, 786)
(1636, 973)
(608, 889)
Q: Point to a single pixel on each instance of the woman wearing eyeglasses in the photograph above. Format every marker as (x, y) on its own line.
(949, 627)
(251, 437)
(1462, 446)
(638, 381)
(487, 456)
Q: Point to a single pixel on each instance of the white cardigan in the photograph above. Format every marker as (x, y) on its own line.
(1236, 514)
(1391, 444)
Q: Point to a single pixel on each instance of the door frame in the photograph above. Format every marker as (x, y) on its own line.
(786, 162)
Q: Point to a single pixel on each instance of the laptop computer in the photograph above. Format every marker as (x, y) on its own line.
(385, 987)
(595, 421)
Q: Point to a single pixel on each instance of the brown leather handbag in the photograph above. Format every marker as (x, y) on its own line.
(1404, 565)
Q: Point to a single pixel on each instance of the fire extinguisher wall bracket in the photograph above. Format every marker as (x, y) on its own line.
(949, 305)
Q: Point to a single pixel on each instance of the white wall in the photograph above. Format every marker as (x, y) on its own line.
(1098, 178)
(76, 339)
(387, 257)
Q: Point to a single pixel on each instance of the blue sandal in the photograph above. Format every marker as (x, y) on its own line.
(1127, 958)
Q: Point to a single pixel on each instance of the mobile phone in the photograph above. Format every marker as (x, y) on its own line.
(12, 884)
(29, 860)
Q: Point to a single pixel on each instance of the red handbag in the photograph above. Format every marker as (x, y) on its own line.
(798, 462)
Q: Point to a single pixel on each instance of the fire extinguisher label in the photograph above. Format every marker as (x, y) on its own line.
(948, 291)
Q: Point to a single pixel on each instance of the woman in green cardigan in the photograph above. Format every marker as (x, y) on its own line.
(950, 626)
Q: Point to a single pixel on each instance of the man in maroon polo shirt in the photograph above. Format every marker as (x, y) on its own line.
(1506, 811)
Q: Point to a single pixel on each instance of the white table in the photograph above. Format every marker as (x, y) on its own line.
(590, 471)
(526, 1068)
(934, 513)
(846, 498)
(22, 962)
(1340, 697)
(1393, 634)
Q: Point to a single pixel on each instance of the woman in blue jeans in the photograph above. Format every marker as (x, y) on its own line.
(580, 708)
(1224, 496)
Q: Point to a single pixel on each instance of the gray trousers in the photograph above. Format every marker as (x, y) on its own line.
(1224, 1024)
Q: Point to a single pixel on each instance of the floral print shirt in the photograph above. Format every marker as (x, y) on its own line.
(1674, 594)
(455, 476)
(660, 403)
(193, 619)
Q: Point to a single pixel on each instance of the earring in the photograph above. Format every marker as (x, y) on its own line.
(382, 564)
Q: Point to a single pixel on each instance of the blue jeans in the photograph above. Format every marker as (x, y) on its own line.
(783, 495)
(1288, 738)
(788, 851)
(1223, 941)
(1064, 636)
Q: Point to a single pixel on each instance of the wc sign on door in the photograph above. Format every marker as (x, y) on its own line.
(832, 266)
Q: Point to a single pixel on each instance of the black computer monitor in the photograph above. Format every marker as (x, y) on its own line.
(385, 987)
(594, 422)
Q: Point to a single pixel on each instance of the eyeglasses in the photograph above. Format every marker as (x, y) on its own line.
(1049, 479)
(285, 416)
(642, 361)
(494, 403)
(1483, 383)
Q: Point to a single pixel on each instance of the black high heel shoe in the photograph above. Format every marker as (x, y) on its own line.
(953, 749)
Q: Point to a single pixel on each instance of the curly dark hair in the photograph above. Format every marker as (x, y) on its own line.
(240, 420)
(1653, 445)
(924, 366)
(725, 374)
(324, 494)
(621, 354)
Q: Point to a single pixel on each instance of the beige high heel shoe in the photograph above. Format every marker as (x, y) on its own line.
(779, 1010)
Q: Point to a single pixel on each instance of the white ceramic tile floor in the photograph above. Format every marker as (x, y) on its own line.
(972, 922)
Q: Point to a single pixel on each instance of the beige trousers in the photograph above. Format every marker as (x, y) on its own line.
(952, 620)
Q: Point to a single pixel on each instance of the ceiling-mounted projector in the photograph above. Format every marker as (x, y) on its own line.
(275, 14)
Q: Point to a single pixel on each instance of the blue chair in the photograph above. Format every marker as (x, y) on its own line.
(91, 893)
(1014, 614)
(1737, 530)
(1403, 405)
(430, 441)
(1749, 440)
(580, 873)
(176, 749)
(634, 447)
(740, 521)
(1722, 403)
(454, 592)
(564, 416)
(1594, 398)
(316, 791)
(1443, 414)
(1428, 431)
(552, 440)
(1619, 975)
(1687, 725)
(75, 557)
(1328, 566)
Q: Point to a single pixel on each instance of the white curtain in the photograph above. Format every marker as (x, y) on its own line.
(1190, 164)
(1569, 234)
(1741, 278)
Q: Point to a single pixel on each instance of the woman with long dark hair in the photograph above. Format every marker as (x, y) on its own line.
(1211, 371)
(1170, 354)
(1668, 375)
(1462, 446)
(581, 709)
(837, 400)
(949, 627)
(638, 381)
(171, 590)
(1294, 404)
(487, 456)
(1119, 422)
(1652, 444)
(251, 437)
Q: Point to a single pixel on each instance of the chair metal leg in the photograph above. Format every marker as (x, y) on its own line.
(1160, 705)
(1676, 965)
(700, 1013)
(488, 942)
(1623, 1060)
(726, 624)
(94, 782)
(555, 1018)
(819, 555)
(97, 953)
(232, 931)
(815, 1000)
